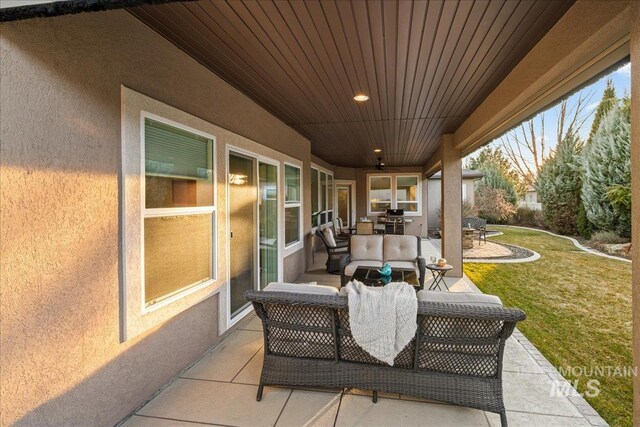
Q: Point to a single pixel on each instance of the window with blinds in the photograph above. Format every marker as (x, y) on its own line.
(173, 152)
(179, 215)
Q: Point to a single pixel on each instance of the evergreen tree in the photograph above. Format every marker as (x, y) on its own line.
(494, 177)
(559, 185)
(606, 104)
(495, 162)
(585, 228)
(607, 165)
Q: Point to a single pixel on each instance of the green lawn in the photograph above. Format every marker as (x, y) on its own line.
(578, 308)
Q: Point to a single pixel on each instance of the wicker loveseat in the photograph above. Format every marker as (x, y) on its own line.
(374, 251)
(456, 356)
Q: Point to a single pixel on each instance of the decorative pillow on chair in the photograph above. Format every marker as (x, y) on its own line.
(328, 236)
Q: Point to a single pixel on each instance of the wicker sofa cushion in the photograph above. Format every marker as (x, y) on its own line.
(400, 248)
(366, 248)
(352, 266)
(405, 264)
(301, 288)
(465, 298)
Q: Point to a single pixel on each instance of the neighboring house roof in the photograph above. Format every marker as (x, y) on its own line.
(466, 174)
(531, 189)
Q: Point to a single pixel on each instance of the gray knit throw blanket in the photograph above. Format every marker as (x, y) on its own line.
(382, 319)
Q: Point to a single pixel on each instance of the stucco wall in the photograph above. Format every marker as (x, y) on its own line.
(419, 224)
(434, 199)
(62, 361)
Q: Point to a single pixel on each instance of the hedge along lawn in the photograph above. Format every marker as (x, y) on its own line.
(578, 308)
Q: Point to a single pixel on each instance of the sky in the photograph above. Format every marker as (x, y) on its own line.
(621, 79)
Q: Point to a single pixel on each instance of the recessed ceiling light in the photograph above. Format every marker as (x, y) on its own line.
(361, 97)
(377, 150)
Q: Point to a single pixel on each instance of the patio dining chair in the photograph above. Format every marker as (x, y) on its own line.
(364, 227)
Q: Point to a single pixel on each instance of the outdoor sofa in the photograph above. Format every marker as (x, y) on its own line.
(455, 357)
(376, 250)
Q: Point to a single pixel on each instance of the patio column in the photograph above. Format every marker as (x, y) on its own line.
(635, 203)
(451, 204)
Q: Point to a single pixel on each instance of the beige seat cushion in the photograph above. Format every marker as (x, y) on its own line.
(351, 267)
(366, 248)
(301, 288)
(400, 248)
(466, 298)
(405, 265)
(328, 236)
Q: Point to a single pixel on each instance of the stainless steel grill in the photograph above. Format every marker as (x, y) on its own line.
(394, 223)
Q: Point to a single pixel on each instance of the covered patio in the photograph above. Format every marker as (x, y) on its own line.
(220, 389)
(124, 274)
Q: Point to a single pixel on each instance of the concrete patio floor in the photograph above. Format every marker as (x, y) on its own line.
(220, 389)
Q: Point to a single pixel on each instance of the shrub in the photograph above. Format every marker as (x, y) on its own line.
(584, 226)
(524, 216)
(607, 168)
(607, 237)
(492, 205)
(468, 209)
(559, 185)
(539, 219)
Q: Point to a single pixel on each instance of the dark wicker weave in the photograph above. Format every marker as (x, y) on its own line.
(479, 226)
(334, 253)
(343, 261)
(456, 356)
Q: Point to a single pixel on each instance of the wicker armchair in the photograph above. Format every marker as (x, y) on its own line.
(455, 357)
(479, 225)
(334, 252)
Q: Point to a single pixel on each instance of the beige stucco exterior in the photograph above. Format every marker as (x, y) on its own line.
(434, 199)
(418, 224)
(451, 193)
(62, 359)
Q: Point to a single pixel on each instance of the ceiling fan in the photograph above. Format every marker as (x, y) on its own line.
(380, 165)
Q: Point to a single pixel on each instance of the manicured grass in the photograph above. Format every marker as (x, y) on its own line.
(578, 308)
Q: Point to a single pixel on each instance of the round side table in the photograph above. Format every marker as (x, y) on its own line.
(438, 274)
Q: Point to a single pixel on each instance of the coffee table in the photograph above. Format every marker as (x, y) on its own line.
(370, 276)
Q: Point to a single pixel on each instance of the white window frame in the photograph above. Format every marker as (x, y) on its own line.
(394, 192)
(136, 318)
(297, 245)
(320, 169)
(418, 200)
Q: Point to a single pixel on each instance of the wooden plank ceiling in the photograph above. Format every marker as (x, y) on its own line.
(426, 65)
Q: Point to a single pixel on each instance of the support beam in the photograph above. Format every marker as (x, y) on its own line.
(635, 204)
(451, 204)
(591, 37)
(434, 164)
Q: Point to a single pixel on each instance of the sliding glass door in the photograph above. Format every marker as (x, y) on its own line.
(253, 227)
(243, 198)
(268, 220)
